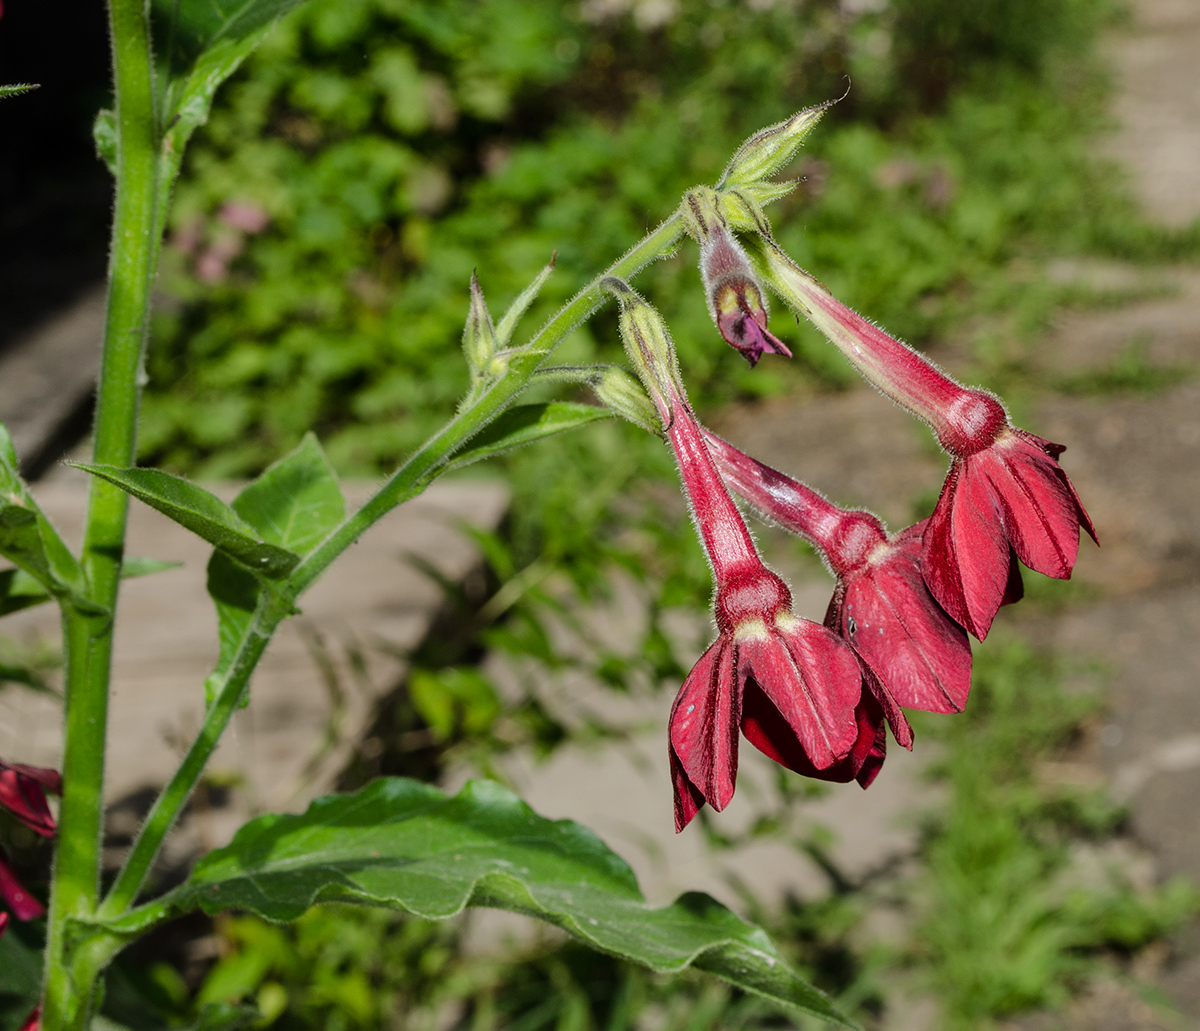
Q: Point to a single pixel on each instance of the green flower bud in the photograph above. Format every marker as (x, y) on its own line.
(479, 336)
(768, 150)
(620, 390)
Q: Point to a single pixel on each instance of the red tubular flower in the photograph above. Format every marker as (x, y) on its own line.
(23, 793)
(23, 905)
(881, 604)
(793, 687)
(34, 1020)
(1005, 493)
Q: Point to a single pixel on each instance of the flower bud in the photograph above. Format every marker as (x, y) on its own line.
(735, 299)
(648, 344)
(769, 149)
(622, 392)
(479, 336)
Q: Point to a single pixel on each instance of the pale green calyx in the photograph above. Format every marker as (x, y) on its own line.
(770, 149)
(648, 344)
(479, 335)
(620, 391)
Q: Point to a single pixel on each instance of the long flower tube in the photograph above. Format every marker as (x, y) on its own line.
(794, 689)
(880, 604)
(1005, 492)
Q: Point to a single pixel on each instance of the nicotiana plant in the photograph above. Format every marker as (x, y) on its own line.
(818, 699)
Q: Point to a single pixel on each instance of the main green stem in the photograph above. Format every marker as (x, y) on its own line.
(409, 480)
(88, 638)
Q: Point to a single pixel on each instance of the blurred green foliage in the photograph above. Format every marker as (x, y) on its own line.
(384, 149)
(374, 152)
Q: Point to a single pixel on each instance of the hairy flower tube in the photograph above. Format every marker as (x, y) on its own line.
(881, 604)
(735, 299)
(1005, 492)
(790, 685)
(23, 905)
(23, 793)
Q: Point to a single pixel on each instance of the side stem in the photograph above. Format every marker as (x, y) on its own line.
(408, 481)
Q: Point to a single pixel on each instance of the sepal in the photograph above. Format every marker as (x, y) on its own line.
(770, 149)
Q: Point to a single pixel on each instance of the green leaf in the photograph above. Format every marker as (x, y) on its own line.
(405, 845)
(16, 89)
(203, 513)
(296, 502)
(104, 135)
(523, 424)
(133, 567)
(28, 539)
(200, 44)
(20, 973)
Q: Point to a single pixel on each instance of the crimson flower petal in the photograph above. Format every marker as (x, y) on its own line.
(767, 730)
(1009, 497)
(812, 679)
(23, 793)
(1042, 509)
(34, 1020)
(23, 905)
(965, 553)
(744, 330)
(885, 610)
(704, 733)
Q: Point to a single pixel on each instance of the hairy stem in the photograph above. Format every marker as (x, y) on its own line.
(75, 885)
(272, 609)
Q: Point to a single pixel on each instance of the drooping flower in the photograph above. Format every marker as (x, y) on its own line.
(735, 298)
(793, 687)
(23, 905)
(23, 793)
(1005, 492)
(880, 604)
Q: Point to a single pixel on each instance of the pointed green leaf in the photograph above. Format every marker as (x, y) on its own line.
(296, 502)
(523, 424)
(405, 845)
(28, 539)
(508, 323)
(104, 135)
(200, 43)
(203, 513)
